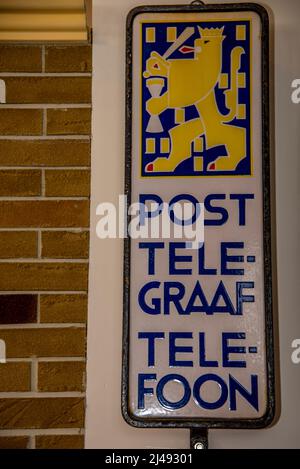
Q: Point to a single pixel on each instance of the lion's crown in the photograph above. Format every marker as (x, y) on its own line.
(211, 32)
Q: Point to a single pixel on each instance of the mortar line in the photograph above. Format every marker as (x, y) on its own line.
(43, 59)
(34, 375)
(34, 325)
(43, 292)
(62, 359)
(46, 359)
(44, 121)
(46, 74)
(52, 168)
(27, 199)
(38, 318)
(44, 260)
(13, 395)
(31, 444)
(18, 229)
(68, 229)
(42, 431)
(48, 137)
(39, 244)
(43, 182)
(46, 106)
(67, 169)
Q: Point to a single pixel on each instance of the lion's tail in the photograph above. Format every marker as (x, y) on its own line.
(231, 95)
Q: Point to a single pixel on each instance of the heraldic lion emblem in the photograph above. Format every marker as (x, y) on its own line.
(196, 99)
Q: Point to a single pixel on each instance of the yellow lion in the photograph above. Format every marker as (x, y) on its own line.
(193, 82)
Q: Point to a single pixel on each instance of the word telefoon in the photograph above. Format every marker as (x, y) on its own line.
(198, 320)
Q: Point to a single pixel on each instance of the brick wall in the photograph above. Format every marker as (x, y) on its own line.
(45, 130)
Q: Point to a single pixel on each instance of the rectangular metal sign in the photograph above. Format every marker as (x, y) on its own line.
(198, 346)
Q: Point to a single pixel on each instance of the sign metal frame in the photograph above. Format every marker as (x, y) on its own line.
(196, 422)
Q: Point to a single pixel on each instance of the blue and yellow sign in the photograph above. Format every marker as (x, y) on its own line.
(196, 98)
(198, 310)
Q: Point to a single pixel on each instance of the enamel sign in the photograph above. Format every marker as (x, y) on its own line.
(198, 304)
